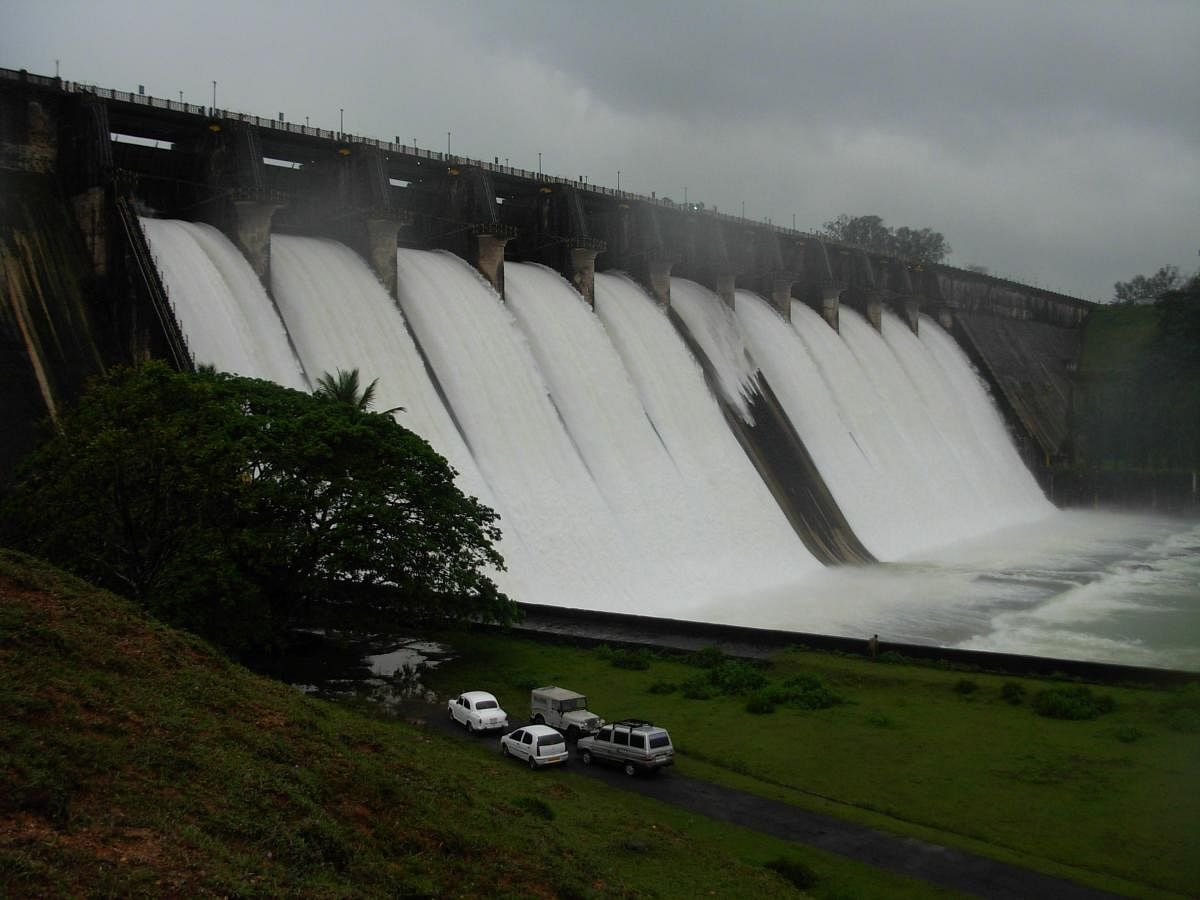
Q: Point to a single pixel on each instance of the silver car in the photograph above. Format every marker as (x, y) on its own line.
(634, 745)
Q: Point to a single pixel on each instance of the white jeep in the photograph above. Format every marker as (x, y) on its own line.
(562, 709)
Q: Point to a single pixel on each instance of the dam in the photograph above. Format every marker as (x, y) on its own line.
(675, 412)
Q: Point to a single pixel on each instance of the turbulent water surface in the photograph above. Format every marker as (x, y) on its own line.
(596, 436)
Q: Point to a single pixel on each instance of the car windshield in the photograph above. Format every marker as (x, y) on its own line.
(549, 740)
(660, 740)
(487, 704)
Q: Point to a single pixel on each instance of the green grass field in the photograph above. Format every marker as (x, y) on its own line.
(1113, 801)
(135, 761)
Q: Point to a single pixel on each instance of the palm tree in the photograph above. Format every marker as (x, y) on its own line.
(343, 388)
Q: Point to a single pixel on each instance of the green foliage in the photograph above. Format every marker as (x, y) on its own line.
(1071, 703)
(1182, 710)
(230, 505)
(761, 702)
(662, 687)
(734, 676)
(636, 660)
(965, 686)
(1143, 289)
(342, 387)
(1012, 692)
(708, 658)
(870, 232)
(697, 688)
(809, 692)
(1137, 404)
(1128, 734)
(801, 877)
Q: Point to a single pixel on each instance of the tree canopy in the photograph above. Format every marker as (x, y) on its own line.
(231, 505)
(1147, 289)
(920, 244)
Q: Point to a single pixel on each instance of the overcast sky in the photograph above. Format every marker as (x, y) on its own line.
(1055, 143)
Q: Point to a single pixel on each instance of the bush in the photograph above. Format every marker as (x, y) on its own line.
(697, 688)
(761, 702)
(708, 658)
(797, 873)
(1127, 734)
(636, 660)
(1071, 703)
(1182, 710)
(809, 692)
(662, 687)
(965, 686)
(1012, 692)
(734, 676)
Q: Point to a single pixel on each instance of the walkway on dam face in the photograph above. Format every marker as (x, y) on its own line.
(913, 858)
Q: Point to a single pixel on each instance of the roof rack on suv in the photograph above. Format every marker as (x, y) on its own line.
(634, 723)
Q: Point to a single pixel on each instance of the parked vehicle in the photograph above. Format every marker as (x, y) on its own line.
(478, 711)
(632, 744)
(563, 709)
(538, 745)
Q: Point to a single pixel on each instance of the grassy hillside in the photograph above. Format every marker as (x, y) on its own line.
(944, 756)
(136, 761)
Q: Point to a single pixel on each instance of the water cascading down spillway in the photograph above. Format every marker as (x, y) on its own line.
(602, 437)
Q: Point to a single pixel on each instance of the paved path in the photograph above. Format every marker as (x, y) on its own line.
(939, 865)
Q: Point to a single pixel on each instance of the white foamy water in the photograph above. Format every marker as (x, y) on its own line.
(340, 317)
(707, 545)
(1113, 587)
(584, 556)
(712, 326)
(229, 320)
(620, 486)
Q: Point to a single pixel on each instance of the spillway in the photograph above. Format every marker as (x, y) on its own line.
(227, 316)
(544, 490)
(612, 442)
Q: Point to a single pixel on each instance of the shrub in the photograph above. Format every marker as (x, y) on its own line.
(801, 876)
(965, 686)
(733, 676)
(1071, 703)
(708, 658)
(662, 687)
(761, 702)
(878, 719)
(697, 688)
(636, 660)
(1127, 734)
(808, 692)
(1012, 692)
(1182, 710)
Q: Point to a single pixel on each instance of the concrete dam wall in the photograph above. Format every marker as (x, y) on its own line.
(252, 178)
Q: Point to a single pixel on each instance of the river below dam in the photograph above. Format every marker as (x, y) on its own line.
(1101, 586)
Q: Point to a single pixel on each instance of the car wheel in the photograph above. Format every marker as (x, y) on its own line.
(587, 758)
(470, 727)
(630, 769)
(503, 749)
(532, 763)
(572, 734)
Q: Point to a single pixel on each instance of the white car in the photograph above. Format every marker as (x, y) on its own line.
(539, 745)
(478, 711)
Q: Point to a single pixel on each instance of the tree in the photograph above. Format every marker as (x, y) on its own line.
(343, 388)
(231, 506)
(870, 232)
(1141, 289)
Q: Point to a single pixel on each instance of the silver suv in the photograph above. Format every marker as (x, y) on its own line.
(633, 744)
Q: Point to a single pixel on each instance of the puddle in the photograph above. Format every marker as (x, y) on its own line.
(383, 669)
